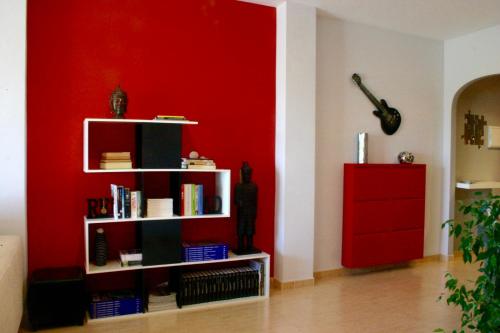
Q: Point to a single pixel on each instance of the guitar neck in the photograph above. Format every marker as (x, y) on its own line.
(371, 97)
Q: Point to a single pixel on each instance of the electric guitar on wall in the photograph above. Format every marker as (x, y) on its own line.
(390, 119)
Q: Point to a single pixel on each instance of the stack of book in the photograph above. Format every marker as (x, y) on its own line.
(160, 298)
(217, 284)
(116, 303)
(115, 160)
(191, 199)
(130, 257)
(166, 117)
(204, 251)
(126, 203)
(160, 207)
(200, 163)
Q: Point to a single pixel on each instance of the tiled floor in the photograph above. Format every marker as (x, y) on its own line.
(395, 300)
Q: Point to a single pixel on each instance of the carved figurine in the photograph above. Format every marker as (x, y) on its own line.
(245, 198)
(118, 103)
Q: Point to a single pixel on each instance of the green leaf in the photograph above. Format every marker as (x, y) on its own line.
(457, 230)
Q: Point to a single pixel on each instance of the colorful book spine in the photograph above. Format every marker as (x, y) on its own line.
(183, 212)
(126, 203)
(114, 195)
(133, 205)
(187, 199)
(191, 199)
(199, 199)
(121, 202)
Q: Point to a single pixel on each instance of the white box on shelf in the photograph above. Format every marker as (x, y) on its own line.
(493, 137)
(160, 207)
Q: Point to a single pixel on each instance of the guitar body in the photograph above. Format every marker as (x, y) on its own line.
(390, 118)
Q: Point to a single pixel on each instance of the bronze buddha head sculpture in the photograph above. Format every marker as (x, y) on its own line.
(118, 103)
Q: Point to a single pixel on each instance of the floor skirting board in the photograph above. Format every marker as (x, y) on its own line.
(291, 284)
(346, 271)
(276, 284)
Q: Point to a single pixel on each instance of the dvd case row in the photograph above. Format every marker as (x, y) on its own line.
(218, 284)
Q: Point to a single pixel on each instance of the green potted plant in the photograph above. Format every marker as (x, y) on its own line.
(479, 240)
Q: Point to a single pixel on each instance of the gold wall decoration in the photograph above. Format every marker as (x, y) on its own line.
(474, 129)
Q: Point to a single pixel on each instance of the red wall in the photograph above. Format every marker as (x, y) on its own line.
(210, 60)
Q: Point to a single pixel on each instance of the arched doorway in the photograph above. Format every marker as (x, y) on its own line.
(474, 167)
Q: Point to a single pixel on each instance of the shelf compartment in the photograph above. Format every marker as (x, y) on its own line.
(193, 307)
(101, 135)
(114, 265)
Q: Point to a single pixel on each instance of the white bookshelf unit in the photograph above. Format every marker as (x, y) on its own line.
(222, 188)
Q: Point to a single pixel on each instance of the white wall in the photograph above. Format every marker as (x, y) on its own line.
(405, 70)
(295, 141)
(13, 118)
(466, 59)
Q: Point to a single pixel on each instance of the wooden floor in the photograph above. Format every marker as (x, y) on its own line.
(402, 299)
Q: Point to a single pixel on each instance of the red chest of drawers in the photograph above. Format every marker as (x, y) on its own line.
(384, 214)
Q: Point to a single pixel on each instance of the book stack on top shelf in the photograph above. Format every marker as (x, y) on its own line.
(199, 163)
(115, 160)
(169, 117)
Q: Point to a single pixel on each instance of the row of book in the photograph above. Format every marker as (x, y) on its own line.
(191, 199)
(115, 303)
(115, 160)
(218, 284)
(126, 203)
(204, 251)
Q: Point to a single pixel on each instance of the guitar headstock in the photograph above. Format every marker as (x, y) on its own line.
(356, 78)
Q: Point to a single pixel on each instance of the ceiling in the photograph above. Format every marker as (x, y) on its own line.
(437, 19)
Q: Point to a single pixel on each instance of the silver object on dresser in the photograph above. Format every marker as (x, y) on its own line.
(362, 155)
(405, 157)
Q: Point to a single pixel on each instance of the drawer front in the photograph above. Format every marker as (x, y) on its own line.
(387, 182)
(408, 214)
(386, 248)
(372, 217)
(388, 215)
